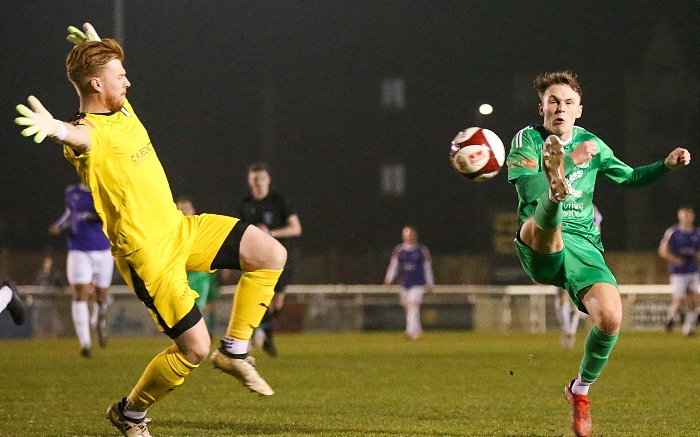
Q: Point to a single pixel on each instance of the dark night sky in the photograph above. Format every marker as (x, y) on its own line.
(201, 72)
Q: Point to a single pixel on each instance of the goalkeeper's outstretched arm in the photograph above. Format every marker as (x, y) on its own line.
(40, 124)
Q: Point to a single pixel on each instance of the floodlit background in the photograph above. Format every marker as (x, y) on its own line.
(354, 104)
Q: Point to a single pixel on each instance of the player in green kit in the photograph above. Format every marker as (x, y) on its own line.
(554, 168)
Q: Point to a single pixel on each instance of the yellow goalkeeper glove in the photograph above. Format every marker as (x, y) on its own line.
(77, 36)
(39, 122)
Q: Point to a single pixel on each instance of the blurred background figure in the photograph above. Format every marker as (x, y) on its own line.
(680, 246)
(89, 266)
(206, 284)
(273, 213)
(568, 317)
(412, 263)
(48, 276)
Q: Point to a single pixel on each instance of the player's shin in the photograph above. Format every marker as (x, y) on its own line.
(548, 214)
(162, 375)
(253, 295)
(596, 352)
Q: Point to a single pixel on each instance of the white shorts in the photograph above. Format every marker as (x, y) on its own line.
(91, 267)
(682, 283)
(412, 296)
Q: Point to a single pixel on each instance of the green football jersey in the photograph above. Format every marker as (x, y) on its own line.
(526, 171)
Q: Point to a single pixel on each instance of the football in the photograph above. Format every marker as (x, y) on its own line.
(477, 154)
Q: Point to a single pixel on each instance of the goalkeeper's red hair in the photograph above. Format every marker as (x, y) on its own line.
(88, 59)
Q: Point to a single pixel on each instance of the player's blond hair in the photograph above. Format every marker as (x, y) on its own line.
(88, 59)
(545, 80)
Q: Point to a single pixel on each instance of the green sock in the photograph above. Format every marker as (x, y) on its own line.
(595, 354)
(548, 214)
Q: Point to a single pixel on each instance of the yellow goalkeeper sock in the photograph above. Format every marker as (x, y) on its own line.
(253, 295)
(162, 375)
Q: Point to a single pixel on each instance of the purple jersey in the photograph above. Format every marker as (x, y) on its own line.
(86, 227)
(683, 244)
(414, 265)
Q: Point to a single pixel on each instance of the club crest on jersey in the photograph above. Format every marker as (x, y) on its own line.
(573, 192)
(142, 154)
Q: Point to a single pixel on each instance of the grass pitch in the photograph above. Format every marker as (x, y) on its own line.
(372, 384)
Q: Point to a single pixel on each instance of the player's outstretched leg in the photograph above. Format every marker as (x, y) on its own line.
(581, 417)
(553, 157)
(253, 295)
(12, 301)
(128, 427)
(262, 258)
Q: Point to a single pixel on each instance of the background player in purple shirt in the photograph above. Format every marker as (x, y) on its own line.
(680, 246)
(414, 265)
(89, 266)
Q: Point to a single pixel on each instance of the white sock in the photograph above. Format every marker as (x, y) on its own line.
(94, 314)
(566, 314)
(5, 297)
(557, 311)
(132, 414)
(691, 318)
(580, 387)
(81, 322)
(236, 347)
(573, 326)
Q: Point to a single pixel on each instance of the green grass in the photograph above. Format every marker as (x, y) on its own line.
(375, 384)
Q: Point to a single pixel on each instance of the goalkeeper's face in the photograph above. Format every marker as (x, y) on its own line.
(113, 85)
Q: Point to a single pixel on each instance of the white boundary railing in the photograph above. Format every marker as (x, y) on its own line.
(501, 296)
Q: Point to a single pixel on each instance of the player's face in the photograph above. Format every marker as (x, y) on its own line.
(686, 217)
(259, 183)
(560, 107)
(409, 235)
(113, 85)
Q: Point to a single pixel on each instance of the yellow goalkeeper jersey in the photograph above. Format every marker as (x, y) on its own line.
(128, 184)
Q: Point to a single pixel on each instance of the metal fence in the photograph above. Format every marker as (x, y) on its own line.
(314, 308)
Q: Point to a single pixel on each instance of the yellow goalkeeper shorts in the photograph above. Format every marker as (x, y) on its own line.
(157, 273)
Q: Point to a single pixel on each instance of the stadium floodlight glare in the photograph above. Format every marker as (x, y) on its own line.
(485, 109)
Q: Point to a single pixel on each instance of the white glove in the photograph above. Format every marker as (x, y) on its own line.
(77, 36)
(39, 121)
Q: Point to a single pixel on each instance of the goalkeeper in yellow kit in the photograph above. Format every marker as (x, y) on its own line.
(154, 245)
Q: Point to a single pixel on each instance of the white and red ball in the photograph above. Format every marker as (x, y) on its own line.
(477, 154)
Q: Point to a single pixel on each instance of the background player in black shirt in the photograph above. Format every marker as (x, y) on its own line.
(270, 211)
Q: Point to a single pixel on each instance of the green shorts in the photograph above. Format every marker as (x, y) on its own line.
(578, 266)
(206, 285)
